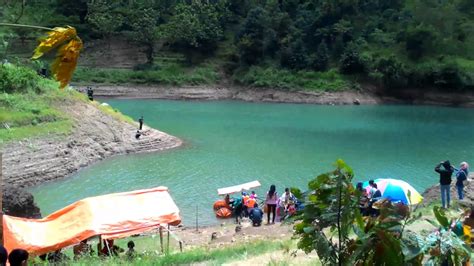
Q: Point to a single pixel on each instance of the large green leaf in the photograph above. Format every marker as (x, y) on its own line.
(440, 215)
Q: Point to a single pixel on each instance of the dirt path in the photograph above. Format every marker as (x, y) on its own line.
(96, 136)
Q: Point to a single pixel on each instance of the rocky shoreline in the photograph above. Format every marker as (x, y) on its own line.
(95, 136)
(369, 95)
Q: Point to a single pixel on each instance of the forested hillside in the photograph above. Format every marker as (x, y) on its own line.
(312, 44)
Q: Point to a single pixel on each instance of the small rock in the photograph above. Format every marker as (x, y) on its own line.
(238, 228)
(232, 240)
(213, 236)
(356, 101)
(222, 224)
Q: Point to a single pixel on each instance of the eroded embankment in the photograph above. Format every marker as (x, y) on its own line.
(368, 95)
(96, 135)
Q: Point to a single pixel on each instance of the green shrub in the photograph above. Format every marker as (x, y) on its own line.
(17, 79)
(292, 80)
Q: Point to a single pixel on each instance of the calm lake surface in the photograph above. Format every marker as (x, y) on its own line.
(228, 143)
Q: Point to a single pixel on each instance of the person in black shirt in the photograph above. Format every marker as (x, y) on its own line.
(445, 174)
(90, 93)
(140, 121)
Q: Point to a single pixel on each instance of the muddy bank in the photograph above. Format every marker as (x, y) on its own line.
(368, 95)
(95, 136)
(232, 93)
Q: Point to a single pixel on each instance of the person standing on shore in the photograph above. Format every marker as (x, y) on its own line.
(271, 202)
(140, 121)
(445, 174)
(90, 94)
(461, 177)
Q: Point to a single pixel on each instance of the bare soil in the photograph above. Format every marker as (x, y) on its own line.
(95, 136)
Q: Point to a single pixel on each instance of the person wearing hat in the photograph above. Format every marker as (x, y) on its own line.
(445, 174)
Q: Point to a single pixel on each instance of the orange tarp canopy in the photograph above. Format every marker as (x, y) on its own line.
(112, 216)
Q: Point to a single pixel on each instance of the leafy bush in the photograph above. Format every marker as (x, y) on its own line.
(352, 62)
(284, 79)
(17, 79)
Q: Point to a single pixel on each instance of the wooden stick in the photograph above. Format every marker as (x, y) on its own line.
(161, 238)
(168, 242)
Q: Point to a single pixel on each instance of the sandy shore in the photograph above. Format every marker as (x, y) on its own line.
(95, 136)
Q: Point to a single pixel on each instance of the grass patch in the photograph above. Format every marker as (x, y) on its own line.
(115, 113)
(270, 77)
(24, 115)
(171, 74)
(215, 256)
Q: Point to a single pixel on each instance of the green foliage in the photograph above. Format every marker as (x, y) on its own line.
(332, 225)
(195, 25)
(398, 43)
(15, 79)
(167, 75)
(285, 79)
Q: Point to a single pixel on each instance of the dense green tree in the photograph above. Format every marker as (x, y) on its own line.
(144, 30)
(195, 25)
(251, 36)
(103, 18)
(321, 59)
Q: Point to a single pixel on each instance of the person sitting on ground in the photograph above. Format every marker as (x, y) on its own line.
(109, 248)
(3, 256)
(18, 257)
(138, 134)
(363, 200)
(256, 215)
(375, 197)
(372, 189)
(57, 256)
(287, 202)
(131, 253)
(253, 195)
(82, 249)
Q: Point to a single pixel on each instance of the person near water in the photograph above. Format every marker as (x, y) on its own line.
(109, 248)
(18, 257)
(253, 195)
(57, 257)
(82, 249)
(256, 215)
(131, 253)
(372, 189)
(286, 202)
(3, 255)
(140, 121)
(138, 134)
(445, 174)
(363, 200)
(237, 208)
(271, 203)
(90, 93)
(461, 177)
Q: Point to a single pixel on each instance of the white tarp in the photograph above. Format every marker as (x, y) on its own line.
(238, 188)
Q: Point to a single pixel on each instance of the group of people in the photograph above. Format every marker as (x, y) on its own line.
(140, 127)
(19, 257)
(281, 207)
(367, 199)
(246, 205)
(446, 170)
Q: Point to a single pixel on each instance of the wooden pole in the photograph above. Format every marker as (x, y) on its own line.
(161, 238)
(168, 242)
(180, 246)
(1, 199)
(197, 222)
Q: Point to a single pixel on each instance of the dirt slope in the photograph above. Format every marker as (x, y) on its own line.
(96, 135)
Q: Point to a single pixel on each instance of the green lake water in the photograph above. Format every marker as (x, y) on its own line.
(228, 143)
